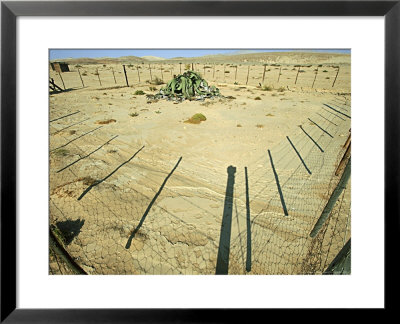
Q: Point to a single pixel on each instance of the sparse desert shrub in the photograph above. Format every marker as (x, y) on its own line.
(139, 93)
(257, 98)
(259, 126)
(187, 66)
(327, 78)
(104, 122)
(281, 89)
(78, 66)
(325, 71)
(84, 73)
(152, 88)
(104, 65)
(196, 119)
(157, 81)
(235, 83)
(96, 73)
(158, 112)
(269, 115)
(135, 114)
(267, 88)
(88, 181)
(61, 152)
(227, 72)
(238, 125)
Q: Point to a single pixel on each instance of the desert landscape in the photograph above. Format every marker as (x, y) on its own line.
(139, 185)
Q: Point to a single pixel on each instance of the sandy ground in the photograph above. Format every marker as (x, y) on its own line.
(164, 204)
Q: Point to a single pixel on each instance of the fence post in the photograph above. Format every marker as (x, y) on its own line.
(248, 72)
(126, 77)
(57, 247)
(213, 70)
(235, 72)
(297, 75)
(83, 85)
(162, 76)
(336, 76)
(138, 73)
(332, 200)
(98, 76)
(61, 79)
(151, 77)
(341, 264)
(113, 75)
(316, 73)
(265, 67)
(180, 68)
(279, 76)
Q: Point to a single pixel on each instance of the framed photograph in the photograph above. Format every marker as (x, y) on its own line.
(173, 161)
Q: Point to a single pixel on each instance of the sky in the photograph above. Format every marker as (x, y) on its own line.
(165, 53)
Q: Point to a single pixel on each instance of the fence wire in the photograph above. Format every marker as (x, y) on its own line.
(123, 208)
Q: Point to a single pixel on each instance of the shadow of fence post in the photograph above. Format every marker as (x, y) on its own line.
(226, 226)
(248, 255)
(131, 237)
(278, 185)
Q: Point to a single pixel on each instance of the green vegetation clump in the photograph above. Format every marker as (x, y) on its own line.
(139, 92)
(135, 114)
(196, 119)
(281, 89)
(157, 81)
(257, 98)
(267, 88)
(61, 152)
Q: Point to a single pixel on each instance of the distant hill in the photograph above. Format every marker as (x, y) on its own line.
(239, 57)
(103, 60)
(153, 58)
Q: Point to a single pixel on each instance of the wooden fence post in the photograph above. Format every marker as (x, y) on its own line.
(316, 73)
(138, 73)
(279, 76)
(248, 72)
(265, 66)
(236, 73)
(151, 77)
(180, 68)
(114, 75)
(298, 71)
(332, 200)
(83, 85)
(213, 70)
(126, 77)
(162, 76)
(98, 76)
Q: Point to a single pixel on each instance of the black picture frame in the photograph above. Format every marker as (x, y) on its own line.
(10, 10)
